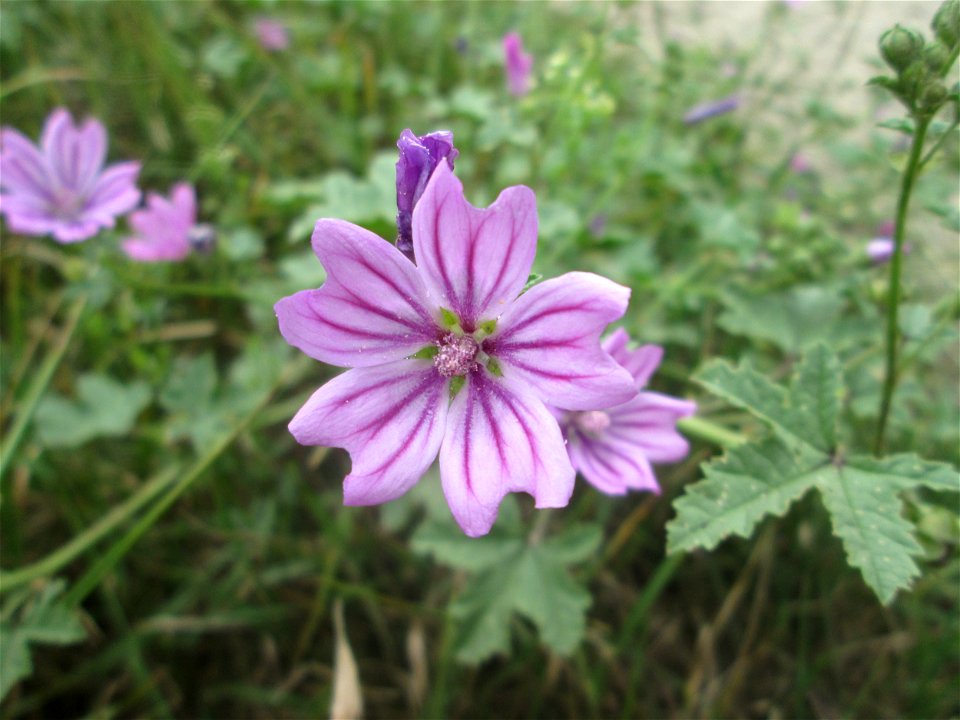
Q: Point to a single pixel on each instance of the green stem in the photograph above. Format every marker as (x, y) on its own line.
(711, 432)
(89, 537)
(896, 266)
(39, 385)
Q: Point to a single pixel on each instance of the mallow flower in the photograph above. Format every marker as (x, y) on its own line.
(419, 157)
(61, 187)
(272, 34)
(614, 448)
(518, 64)
(167, 229)
(449, 356)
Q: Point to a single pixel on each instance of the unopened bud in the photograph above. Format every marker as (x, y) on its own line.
(933, 96)
(946, 23)
(900, 47)
(936, 55)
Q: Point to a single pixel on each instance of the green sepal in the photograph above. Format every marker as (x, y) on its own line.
(494, 367)
(488, 326)
(456, 384)
(449, 320)
(426, 353)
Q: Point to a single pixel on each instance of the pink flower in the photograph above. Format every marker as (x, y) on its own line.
(518, 63)
(448, 357)
(166, 230)
(800, 164)
(614, 448)
(62, 188)
(272, 34)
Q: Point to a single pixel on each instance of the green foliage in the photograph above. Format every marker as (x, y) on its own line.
(30, 618)
(763, 478)
(103, 407)
(512, 573)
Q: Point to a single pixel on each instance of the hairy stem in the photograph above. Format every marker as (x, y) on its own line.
(896, 266)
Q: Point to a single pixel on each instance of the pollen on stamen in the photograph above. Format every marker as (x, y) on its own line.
(457, 355)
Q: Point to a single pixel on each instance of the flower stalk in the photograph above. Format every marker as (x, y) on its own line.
(896, 269)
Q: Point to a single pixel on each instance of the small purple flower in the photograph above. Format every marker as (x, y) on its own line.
(880, 250)
(800, 164)
(62, 188)
(518, 63)
(614, 448)
(448, 357)
(707, 110)
(419, 157)
(272, 35)
(166, 229)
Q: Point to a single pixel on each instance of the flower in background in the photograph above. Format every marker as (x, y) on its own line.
(448, 357)
(800, 164)
(518, 63)
(707, 110)
(419, 157)
(272, 34)
(881, 248)
(167, 229)
(61, 187)
(614, 448)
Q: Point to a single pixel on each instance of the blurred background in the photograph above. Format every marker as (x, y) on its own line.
(725, 160)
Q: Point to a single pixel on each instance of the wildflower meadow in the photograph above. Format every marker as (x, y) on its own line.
(479, 359)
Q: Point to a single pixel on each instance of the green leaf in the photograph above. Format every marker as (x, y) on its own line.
(764, 478)
(792, 320)
(904, 125)
(512, 577)
(37, 619)
(104, 407)
(752, 481)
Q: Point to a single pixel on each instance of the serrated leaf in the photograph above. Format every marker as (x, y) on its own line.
(765, 477)
(103, 407)
(447, 543)
(751, 482)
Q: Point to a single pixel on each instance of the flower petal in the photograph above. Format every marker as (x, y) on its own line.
(77, 154)
(500, 439)
(550, 339)
(23, 170)
(372, 308)
(115, 193)
(649, 421)
(610, 464)
(641, 363)
(476, 261)
(389, 418)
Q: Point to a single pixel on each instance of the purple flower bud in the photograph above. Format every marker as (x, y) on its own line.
(707, 110)
(271, 34)
(885, 229)
(419, 157)
(800, 164)
(518, 64)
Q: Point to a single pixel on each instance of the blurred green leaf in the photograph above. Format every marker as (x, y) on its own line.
(513, 575)
(28, 620)
(103, 407)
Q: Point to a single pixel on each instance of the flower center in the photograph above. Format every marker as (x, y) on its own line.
(457, 355)
(592, 422)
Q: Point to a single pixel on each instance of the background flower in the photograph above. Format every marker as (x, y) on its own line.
(272, 34)
(518, 64)
(614, 448)
(164, 227)
(61, 188)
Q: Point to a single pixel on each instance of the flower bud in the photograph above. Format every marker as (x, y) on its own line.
(936, 55)
(946, 23)
(900, 46)
(933, 96)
